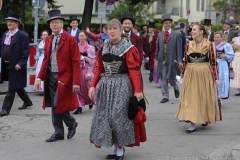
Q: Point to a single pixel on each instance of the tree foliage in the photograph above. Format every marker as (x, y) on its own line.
(139, 9)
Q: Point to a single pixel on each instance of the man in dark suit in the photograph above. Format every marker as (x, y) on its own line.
(128, 22)
(208, 26)
(14, 57)
(152, 46)
(228, 33)
(136, 30)
(169, 57)
(74, 21)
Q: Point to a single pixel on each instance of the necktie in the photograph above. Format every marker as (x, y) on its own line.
(166, 35)
(8, 38)
(226, 32)
(126, 35)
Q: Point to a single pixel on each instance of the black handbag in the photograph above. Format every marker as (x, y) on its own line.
(133, 107)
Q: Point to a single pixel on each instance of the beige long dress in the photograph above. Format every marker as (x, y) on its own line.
(235, 83)
(198, 101)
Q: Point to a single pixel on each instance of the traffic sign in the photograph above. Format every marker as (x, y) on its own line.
(188, 11)
(0, 4)
(38, 3)
(110, 5)
(41, 13)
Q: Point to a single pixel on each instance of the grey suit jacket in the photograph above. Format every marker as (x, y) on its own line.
(231, 35)
(174, 53)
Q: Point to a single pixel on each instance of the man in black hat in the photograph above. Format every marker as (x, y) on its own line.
(60, 71)
(169, 57)
(208, 26)
(74, 21)
(14, 56)
(228, 33)
(128, 22)
(152, 47)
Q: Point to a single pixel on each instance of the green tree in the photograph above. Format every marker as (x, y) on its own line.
(223, 6)
(139, 9)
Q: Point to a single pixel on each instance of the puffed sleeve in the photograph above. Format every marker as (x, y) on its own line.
(229, 52)
(98, 69)
(90, 55)
(212, 55)
(185, 60)
(132, 60)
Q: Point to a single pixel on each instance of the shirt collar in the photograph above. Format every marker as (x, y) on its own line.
(59, 32)
(227, 31)
(14, 31)
(169, 31)
(129, 33)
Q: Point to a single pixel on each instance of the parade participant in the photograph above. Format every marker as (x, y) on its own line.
(40, 55)
(198, 103)
(151, 37)
(88, 59)
(61, 63)
(235, 83)
(208, 26)
(128, 22)
(103, 36)
(228, 33)
(14, 56)
(225, 56)
(119, 76)
(136, 30)
(74, 21)
(177, 28)
(169, 57)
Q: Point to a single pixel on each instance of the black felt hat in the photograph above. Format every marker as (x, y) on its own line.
(128, 16)
(166, 17)
(151, 25)
(73, 17)
(13, 16)
(54, 14)
(207, 22)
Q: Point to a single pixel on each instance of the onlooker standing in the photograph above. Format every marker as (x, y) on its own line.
(235, 83)
(228, 33)
(60, 64)
(74, 21)
(225, 56)
(88, 59)
(14, 55)
(169, 57)
(40, 55)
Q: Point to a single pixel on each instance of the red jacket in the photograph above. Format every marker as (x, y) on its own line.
(68, 60)
(138, 43)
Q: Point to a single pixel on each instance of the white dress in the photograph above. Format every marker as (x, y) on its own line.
(235, 83)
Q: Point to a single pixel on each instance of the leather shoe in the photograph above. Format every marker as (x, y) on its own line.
(4, 113)
(119, 157)
(54, 138)
(237, 94)
(78, 110)
(190, 131)
(72, 130)
(90, 107)
(24, 106)
(204, 125)
(176, 92)
(164, 100)
(111, 156)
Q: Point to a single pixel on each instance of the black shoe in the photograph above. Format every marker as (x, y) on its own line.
(78, 110)
(72, 130)
(54, 138)
(25, 106)
(224, 98)
(190, 131)
(204, 125)
(110, 156)
(150, 78)
(90, 107)
(237, 94)
(164, 100)
(4, 113)
(119, 157)
(176, 92)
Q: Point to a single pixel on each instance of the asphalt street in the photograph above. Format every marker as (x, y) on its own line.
(23, 133)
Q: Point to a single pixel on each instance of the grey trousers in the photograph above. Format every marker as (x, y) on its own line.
(57, 119)
(164, 82)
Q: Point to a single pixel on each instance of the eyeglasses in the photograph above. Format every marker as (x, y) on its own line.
(55, 22)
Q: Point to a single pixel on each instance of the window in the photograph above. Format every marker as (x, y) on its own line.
(198, 5)
(203, 5)
(187, 4)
